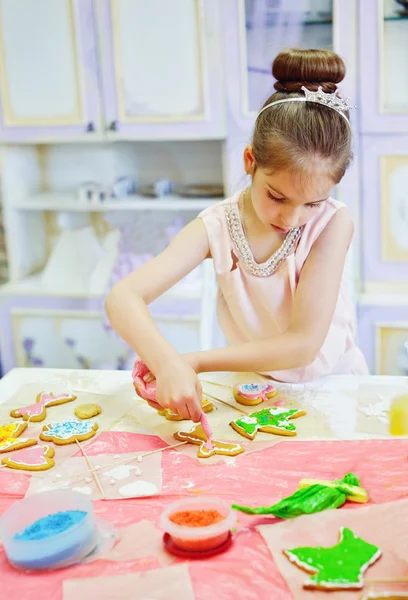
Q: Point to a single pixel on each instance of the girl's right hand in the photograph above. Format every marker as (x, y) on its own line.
(179, 389)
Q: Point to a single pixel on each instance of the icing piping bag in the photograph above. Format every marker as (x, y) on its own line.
(208, 431)
(313, 498)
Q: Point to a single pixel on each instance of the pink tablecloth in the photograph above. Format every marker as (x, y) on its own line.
(258, 478)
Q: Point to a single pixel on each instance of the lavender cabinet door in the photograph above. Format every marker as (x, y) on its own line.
(383, 66)
(384, 212)
(161, 68)
(48, 79)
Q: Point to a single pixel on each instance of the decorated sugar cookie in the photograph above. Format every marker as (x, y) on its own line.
(67, 432)
(269, 420)
(38, 458)
(206, 405)
(339, 567)
(37, 412)
(251, 394)
(197, 436)
(10, 437)
(87, 411)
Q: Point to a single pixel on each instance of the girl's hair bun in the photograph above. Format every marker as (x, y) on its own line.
(312, 68)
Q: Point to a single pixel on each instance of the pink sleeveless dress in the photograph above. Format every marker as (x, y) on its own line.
(251, 308)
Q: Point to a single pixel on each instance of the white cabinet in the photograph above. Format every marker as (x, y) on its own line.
(95, 69)
(48, 80)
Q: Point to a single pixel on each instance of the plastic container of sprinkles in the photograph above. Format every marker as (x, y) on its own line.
(50, 530)
(198, 526)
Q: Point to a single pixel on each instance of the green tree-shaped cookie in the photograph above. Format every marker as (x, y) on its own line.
(341, 566)
(269, 420)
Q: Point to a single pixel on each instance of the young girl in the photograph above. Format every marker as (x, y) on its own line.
(278, 247)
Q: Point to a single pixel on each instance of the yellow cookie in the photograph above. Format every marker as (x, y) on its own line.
(206, 405)
(87, 411)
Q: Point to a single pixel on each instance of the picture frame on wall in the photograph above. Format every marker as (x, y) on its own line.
(391, 348)
(394, 208)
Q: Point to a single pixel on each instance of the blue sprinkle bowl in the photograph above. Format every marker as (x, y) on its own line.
(29, 546)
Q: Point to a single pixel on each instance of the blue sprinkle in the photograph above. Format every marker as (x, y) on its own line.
(51, 525)
(253, 387)
(67, 429)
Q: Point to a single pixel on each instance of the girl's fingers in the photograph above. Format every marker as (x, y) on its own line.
(148, 378)
(154, 405)
(195, 410)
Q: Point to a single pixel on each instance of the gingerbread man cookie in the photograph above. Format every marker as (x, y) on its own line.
(37, 412)
(206, 405)
(251, 394)
(340, 567)
(31, 459)
(10, 440)
(198, 437)
(268, 420)
(68, 432)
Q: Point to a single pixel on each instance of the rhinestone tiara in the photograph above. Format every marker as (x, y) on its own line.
(333, 101)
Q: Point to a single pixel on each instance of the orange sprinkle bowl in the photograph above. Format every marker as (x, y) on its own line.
(199, 539)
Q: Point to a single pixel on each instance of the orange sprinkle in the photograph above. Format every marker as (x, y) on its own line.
(196, 518)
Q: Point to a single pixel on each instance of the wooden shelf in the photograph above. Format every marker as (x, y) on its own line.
(55, 201)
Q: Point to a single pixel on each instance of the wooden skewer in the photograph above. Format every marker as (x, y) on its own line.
(92, 468)
(223, 385)
(120, 462)
(243, 412)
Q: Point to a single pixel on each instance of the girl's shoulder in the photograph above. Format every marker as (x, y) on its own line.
(215, 220)
(315, 226)
(218, 208)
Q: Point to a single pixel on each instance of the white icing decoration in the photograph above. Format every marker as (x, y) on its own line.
(139, 459)
(137, 472)
(66, 484)
(58, 476)
(83, 490)
(249, 420)
(121, 472)
(112, 481)
(138, 489)
(279, 410)
(88, 479)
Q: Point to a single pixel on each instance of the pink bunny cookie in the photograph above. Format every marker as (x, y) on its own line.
(38, 458)
(38, 411)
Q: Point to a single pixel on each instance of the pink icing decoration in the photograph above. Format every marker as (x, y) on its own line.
(145, 390)
(261, 392)
(36, 409)
(31, 456)
(208, 432)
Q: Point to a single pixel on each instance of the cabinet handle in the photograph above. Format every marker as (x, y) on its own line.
(113, 126)
(90, 127)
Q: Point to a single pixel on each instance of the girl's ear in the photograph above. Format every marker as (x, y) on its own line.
(249, 160)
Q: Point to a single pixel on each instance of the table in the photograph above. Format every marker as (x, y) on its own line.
(273, 473)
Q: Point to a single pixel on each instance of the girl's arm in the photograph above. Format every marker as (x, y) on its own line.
(126, 305)
(314, 304)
